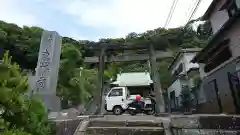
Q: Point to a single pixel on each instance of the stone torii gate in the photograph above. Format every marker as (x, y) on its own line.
(151, 55)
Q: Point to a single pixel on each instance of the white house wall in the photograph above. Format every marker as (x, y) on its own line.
(201, 70)
(188, 57)
(185, 58)
(177, 63)
(176, 86)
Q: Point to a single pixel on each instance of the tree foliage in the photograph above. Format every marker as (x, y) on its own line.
(14, 132)
(76, 84)
(185, 97)
(19, 112)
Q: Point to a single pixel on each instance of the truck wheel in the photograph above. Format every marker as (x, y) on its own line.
(117, 110)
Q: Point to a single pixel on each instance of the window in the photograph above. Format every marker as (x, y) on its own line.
(116, 92)
(217, 56)
(128, 93)
(180, 68)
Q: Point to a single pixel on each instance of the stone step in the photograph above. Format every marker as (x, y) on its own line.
(124, 131)
(204, 132)
(118, 123)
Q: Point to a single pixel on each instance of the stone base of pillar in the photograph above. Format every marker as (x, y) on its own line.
(51, 102)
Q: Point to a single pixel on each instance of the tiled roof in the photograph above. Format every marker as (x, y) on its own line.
(133, 79)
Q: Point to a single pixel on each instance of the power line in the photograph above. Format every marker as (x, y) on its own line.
(169, 17)
(197, 3)
(173, 6)
(191, 9)
(189, 20)
(171, 13)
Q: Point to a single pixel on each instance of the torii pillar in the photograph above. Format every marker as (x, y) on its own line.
(160, 108)
(100, 77)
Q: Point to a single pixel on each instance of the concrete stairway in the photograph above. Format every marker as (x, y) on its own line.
(120, 127)
(202, 124)
(108, 127)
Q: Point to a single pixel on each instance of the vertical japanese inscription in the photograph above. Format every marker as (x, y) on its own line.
(44, 65)
(45, 61)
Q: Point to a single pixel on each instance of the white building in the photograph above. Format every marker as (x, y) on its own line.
(133, 79)
(180, 67)
(137, 82)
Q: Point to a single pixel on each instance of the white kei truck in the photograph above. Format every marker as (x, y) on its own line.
(118, 99)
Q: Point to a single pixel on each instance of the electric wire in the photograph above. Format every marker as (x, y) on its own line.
(188, 21)
(169, 17)
(195, 10)
(192, 10)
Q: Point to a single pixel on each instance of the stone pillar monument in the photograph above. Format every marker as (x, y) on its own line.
(47, 70)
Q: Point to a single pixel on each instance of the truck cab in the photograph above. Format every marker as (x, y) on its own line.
(117, 100)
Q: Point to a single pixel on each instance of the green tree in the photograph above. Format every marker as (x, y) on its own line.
(19, 111)
(70, 57)
(164, 73)
(14, 132)
(84, 82)
(76, 84)
(186, 98)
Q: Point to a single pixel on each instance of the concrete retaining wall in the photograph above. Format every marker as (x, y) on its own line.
(205, 125)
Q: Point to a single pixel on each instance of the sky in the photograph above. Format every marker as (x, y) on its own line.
(95, 19)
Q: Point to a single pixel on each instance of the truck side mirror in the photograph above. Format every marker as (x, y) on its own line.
(122, 99)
